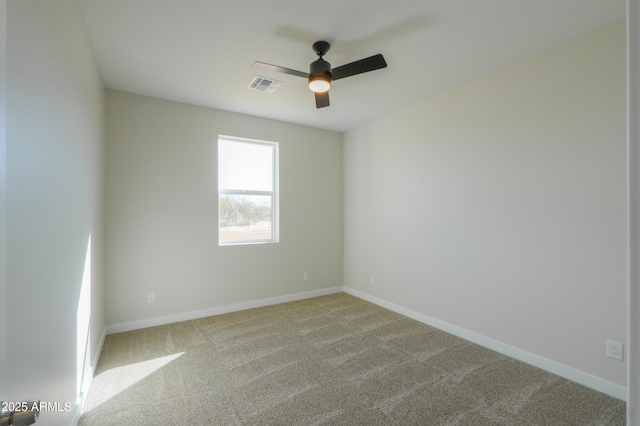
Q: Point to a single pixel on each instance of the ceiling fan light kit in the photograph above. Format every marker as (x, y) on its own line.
(319, 83)
(321, 74)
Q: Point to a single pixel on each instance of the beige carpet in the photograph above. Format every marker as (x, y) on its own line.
(328, 360)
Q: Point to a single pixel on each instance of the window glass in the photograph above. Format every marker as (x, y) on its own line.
(247, 166)
(247, 191)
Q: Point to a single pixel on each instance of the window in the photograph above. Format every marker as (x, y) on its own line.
(247, 191)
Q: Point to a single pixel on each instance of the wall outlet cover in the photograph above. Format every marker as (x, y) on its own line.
(615, 349)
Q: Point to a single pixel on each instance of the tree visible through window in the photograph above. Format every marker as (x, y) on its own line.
(247, 191)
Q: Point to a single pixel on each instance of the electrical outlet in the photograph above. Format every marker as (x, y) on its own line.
(305, 276)
(372, 279)
(614, 349)
(151, 298)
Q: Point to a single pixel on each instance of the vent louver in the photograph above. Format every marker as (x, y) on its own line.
(262, 84)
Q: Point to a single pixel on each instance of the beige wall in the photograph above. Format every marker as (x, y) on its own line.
(499, 207)
(4, 387)
(161, 211)
(3, 204)
(633, 303)
(55, 130)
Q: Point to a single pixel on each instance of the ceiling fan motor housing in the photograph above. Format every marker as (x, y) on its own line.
(320, 67)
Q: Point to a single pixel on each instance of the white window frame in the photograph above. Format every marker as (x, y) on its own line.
(274, 194)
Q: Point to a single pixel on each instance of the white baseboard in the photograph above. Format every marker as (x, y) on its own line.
(94, 362)
(87, 384)
(556, 368)
(218, 310)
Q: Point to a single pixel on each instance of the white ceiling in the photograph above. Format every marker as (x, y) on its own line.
(201, 51)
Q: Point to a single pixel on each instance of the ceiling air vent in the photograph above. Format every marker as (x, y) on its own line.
(262, 84)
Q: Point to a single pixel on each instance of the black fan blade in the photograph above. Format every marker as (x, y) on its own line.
(280, 69)
(322, 99)
(371, 63)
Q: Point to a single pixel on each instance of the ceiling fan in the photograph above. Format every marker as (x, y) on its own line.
(321, 74)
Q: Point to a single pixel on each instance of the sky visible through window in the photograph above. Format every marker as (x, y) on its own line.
(246, 166)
